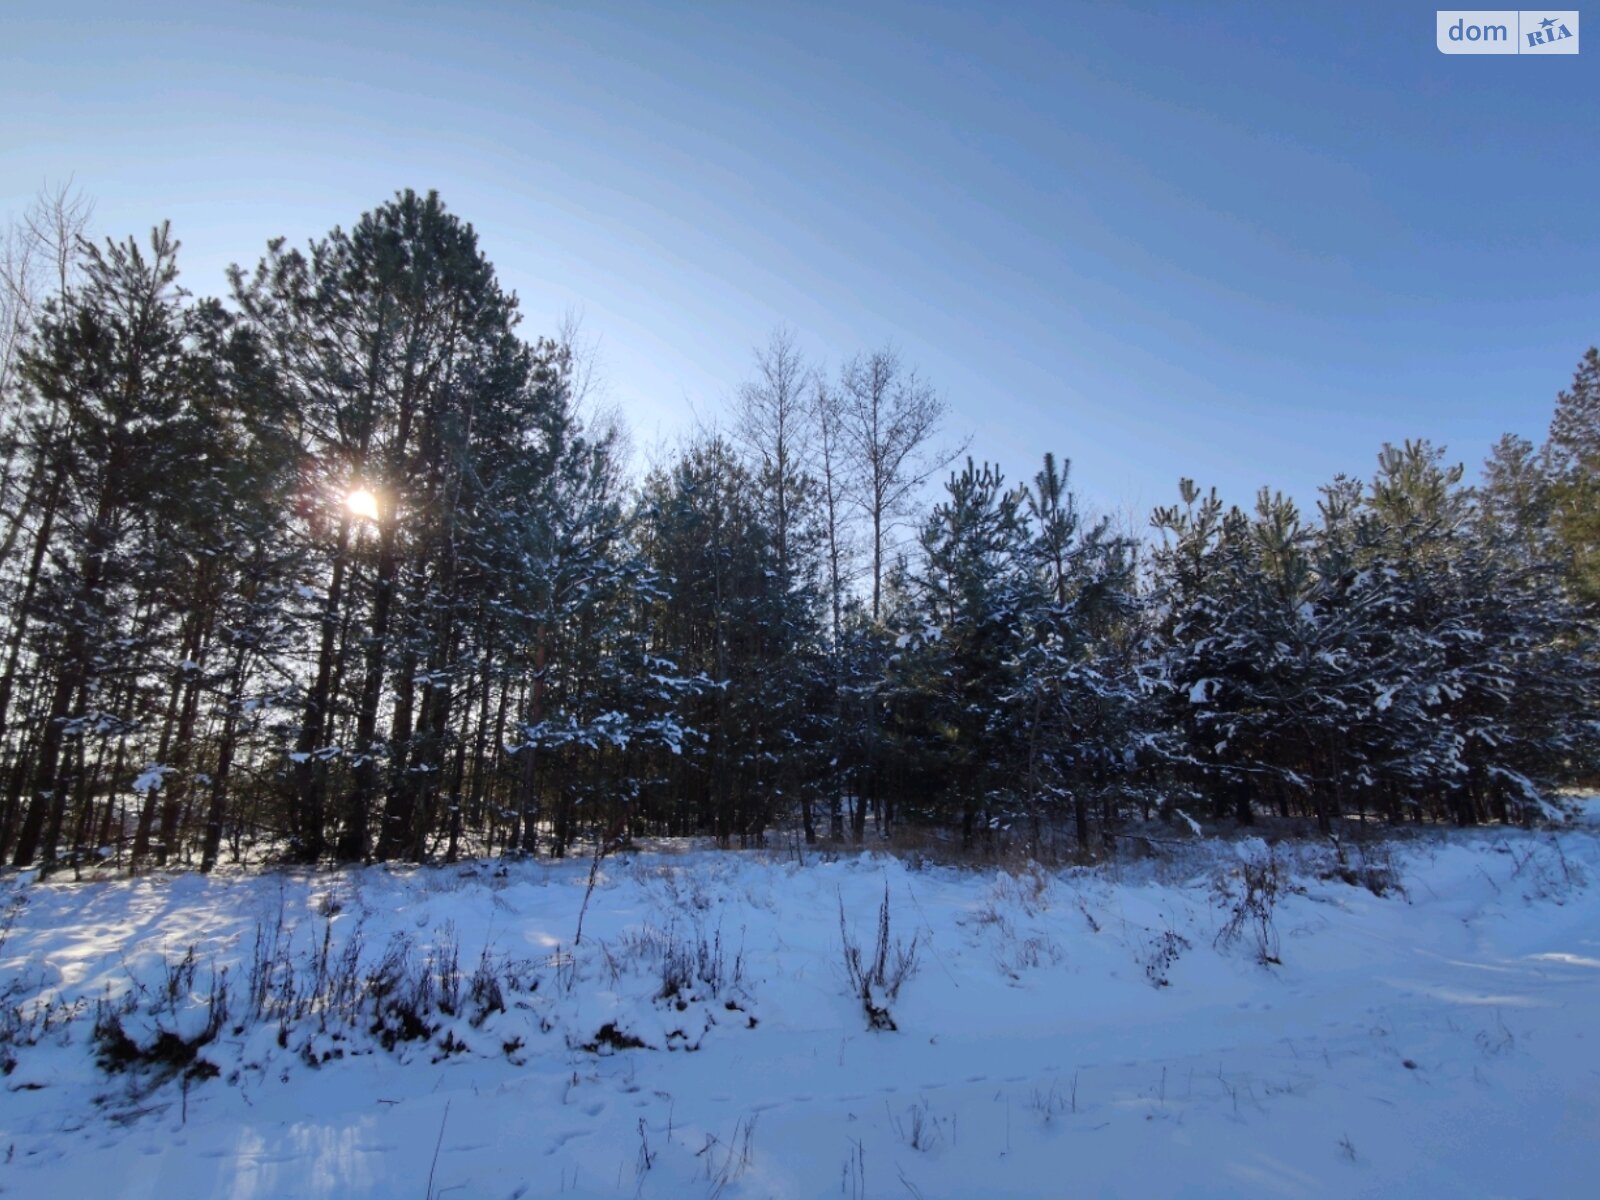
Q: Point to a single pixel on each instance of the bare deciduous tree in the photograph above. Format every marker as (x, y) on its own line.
(772, 427)
(833, 479)
(889, 415)
(38, 259)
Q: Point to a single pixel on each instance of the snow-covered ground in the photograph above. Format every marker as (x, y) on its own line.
(1085, 1033)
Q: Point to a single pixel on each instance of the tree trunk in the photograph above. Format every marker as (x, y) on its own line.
(354, 842)
(307, 818)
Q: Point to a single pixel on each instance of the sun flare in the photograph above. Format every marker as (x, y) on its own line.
(362, 503)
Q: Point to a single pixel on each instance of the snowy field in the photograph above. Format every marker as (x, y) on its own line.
(1114, 1032)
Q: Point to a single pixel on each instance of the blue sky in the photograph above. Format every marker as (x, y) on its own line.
(1242, 242)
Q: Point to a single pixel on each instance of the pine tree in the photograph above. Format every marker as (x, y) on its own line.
(1573, 456)
(1515, 499)
(1188, 602)
(570, 620)
(113, 357)
(222, 561)
(720, 617)
(1078, 695)
(401, 345)
(961, 640)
